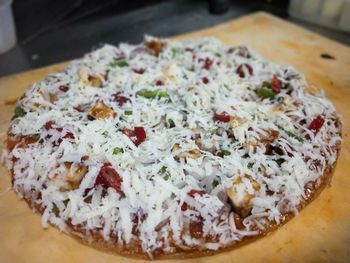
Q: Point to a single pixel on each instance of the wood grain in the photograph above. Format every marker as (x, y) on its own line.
(320, 233)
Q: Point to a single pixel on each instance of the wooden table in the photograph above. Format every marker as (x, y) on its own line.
(320, 233)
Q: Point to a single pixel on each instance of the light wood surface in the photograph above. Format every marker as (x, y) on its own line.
(320, 233)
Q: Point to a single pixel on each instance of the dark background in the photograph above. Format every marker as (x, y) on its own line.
(53, 31)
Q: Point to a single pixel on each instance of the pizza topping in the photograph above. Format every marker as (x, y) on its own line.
(222, 117)
(205, 80)
(74, 175)
(153, 94)
(196, 229)
(315, 126)
(154, 46)
(109, 177)
(19, 112)
(117, 150)
(138, 135)
(63, 88)
(207, 63)
(120, 99)
(241, 193)
(159, 83)
(205, 157)
(119, 63)
(102, 111)
(53, 98)
(192, 193)
(139, 70)
(276, 84)
(241, 51)
(266, 93)
(95, 80)
(180, 153)
(244, 70)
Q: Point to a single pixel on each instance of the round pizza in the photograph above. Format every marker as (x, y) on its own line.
(171, 149)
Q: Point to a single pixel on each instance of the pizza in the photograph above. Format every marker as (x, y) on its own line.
(171, 149)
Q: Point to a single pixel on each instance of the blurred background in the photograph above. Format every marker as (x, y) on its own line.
(49, 31)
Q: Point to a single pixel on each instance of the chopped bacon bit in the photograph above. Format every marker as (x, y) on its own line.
(109, 177)
(191, 193)
(128, 132)
(223, 117)
(276, 84)
(205, 80)
(139, 70)
(207, 63)
(120, 99)
(315, 126)
(63, 88)
(48, 125)
(69, 135)
(241, 72)
(230, 135)
(238, 222)
(159, 83)
(138, 135)
(196, 229)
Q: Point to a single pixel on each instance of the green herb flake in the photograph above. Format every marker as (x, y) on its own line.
(166, 176)
(163, 169)
(266, 84)
(266, 93)
(88, 199)
(171, 123)
(128, 112)
(226, 153)
(215, 183)
(19, 112)
(298, 138)
(119, 63)
(254, 117)
(291, 134)
(213, 130)
(117, 150)
(153, 94)
(55, 210)
(279, 161)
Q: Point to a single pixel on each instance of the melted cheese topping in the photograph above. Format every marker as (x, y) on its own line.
(186, 148)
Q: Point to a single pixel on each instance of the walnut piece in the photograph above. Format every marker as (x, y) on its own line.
(154, 46)
(102, 111)
(179, 153)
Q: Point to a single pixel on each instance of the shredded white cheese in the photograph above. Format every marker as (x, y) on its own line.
(186, 147)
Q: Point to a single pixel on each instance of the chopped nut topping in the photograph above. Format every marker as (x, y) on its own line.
(239, 195)
(53, 98)
(102, 111)
(154, 46)
(75, 173)
(194, 154)
(87, 79)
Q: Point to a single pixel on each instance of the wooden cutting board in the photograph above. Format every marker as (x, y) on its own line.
(320, 233)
